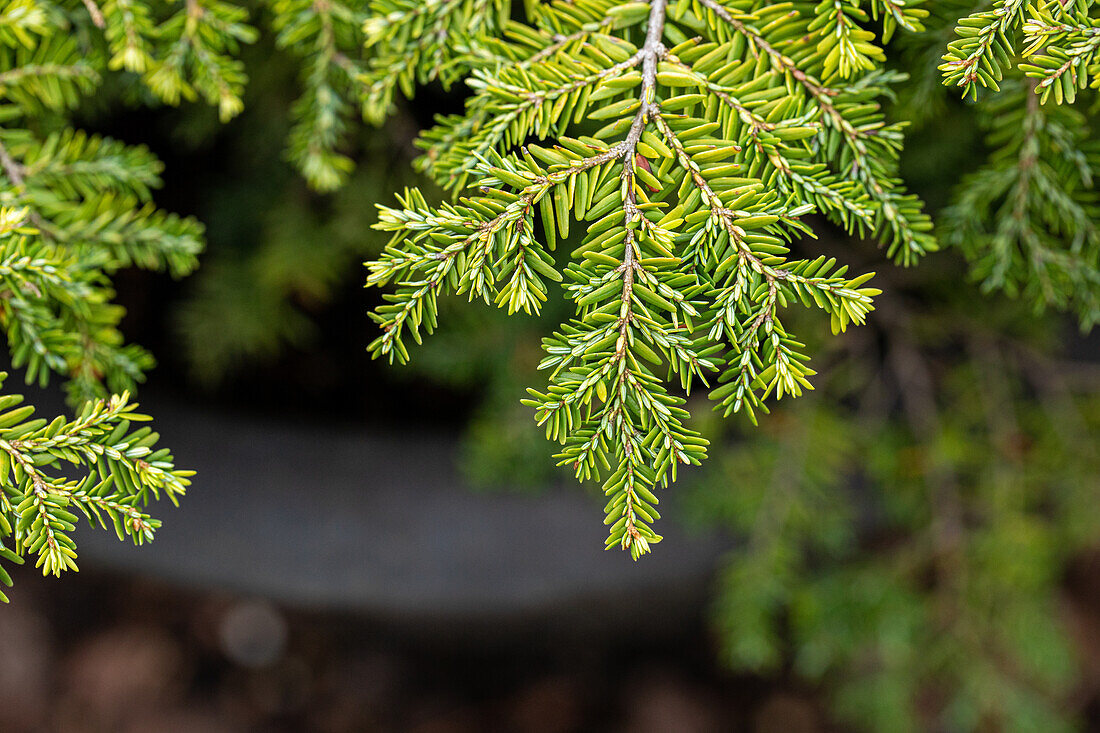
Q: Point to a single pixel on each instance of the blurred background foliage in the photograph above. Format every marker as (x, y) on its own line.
(903, 533)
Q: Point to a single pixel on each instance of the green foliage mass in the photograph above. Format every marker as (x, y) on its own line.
(121, 472)
(74, 209)
(692, 138)
(906, 533)
(907, 538)
(664, 166)
(712, 149)
(1028, 219)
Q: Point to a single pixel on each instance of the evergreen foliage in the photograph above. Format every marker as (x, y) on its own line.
(723, 126)
(1027, 219)
(74, 209)
(327, 35)
(908, 540)
(121, 470)
(678, 152)
(692, 137)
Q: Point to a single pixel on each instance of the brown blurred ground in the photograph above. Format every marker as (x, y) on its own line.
(102, 653)
(95, 652)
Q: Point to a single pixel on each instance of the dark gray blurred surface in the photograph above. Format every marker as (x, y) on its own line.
(352, 520)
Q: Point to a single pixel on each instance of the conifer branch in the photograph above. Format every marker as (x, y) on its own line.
(635, 535)
(122, 473)
(76, 208)
(1027, 220)
(95, 14)
(683, 264)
